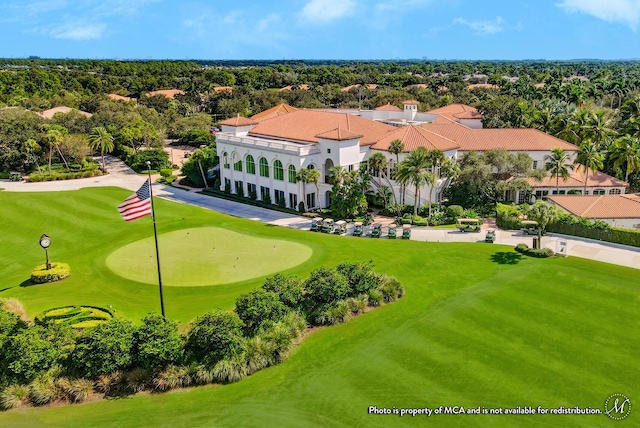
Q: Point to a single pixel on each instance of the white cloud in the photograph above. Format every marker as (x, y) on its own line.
(622, 11)
(325, 11)
(482, 27)
(78, 32)
(232, 17)
(401, 5)
(265, 23)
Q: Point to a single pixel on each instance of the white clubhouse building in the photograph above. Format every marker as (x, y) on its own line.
(263, 154)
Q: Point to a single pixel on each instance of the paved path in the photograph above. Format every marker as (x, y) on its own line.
(122, 176)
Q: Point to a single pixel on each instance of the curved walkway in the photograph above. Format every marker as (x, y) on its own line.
(121, 175)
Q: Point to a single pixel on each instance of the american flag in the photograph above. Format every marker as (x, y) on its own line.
(137, 205)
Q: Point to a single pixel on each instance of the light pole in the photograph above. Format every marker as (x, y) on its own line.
(45, 241)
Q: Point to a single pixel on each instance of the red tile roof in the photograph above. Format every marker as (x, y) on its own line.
(599, 206)
(411, 102)
(238, 121)
(453, 109)
(48, 114)
(339, 134)
(512, 139)
(169, 93)
(413, 137)
(274, 111)
(305, 125)
(388, 107)
(576, 180)
(304, 86)
(120, 97)
(370, 86)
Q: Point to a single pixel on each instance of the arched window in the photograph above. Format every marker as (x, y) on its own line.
(264, 167)
(614, 191)
(251, 165)
(292, 174)
(278, 172)
(237, 164)
(225, 159)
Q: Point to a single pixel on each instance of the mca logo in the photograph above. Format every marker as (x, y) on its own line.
(617, 406)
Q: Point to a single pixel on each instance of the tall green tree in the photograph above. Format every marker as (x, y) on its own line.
(558, 165)
(626, 151)
(590, 158)
(101, 140)
(414, 170)
(307, 176)
(544, 214)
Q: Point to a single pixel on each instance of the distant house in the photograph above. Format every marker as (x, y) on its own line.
(120, 97)
(48, 114)
(304, 87)
(168, 93)
(617, 210)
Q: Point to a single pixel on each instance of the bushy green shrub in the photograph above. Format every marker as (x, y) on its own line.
(455, 211)
(104, 349)
(157, 343)
(324, 286)
(266, 199)
(359, 276)
(258, 308)
(13, 396)
(42, 275)
(287, 288)
(214, 336)
(534, 252)
(301, 207)
(508, 217)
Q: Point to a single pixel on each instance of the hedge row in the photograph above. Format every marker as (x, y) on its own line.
(614, 235)
(56, 176)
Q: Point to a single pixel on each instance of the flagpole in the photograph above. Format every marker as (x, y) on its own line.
(155, 235)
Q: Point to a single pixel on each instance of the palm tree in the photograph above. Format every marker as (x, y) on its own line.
(306, 175)
(100, 140)
(414, 169)
(598, 129)
(53, 138)
(626, 150)
(436, 158)
(558, 164)
(397, 147)
(377, 165)
(544, 214)
(590, 158)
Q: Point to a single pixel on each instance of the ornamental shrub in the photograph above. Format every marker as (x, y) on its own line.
(157, 343)
(287, 288)
(534, 252)
(104, 348)
(58, 271)
(214, 336)
(455, 211)
(258, 308)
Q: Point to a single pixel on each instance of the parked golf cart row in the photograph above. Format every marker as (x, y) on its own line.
(339, 227)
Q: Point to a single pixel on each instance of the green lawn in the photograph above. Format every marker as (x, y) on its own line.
(480, 326)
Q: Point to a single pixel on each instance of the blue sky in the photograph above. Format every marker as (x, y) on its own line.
(321, 29)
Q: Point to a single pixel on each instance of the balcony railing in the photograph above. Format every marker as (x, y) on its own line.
(271, 145)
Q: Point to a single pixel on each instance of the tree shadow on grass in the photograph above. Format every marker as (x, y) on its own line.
(27, 283)
(506, 258)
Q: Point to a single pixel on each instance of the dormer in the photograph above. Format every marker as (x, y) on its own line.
(340, 145)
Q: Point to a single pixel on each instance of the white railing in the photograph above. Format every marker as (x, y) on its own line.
(271, 145)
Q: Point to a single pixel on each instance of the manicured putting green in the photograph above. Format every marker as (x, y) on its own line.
(205, 256)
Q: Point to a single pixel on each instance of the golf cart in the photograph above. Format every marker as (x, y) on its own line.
(357, 231)
(530, 227)
(377, 230)
(406, 231)
(490, 237)
(340, 227)
(316, 224)
(391, 234)
(327, 225)
(468, 225)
